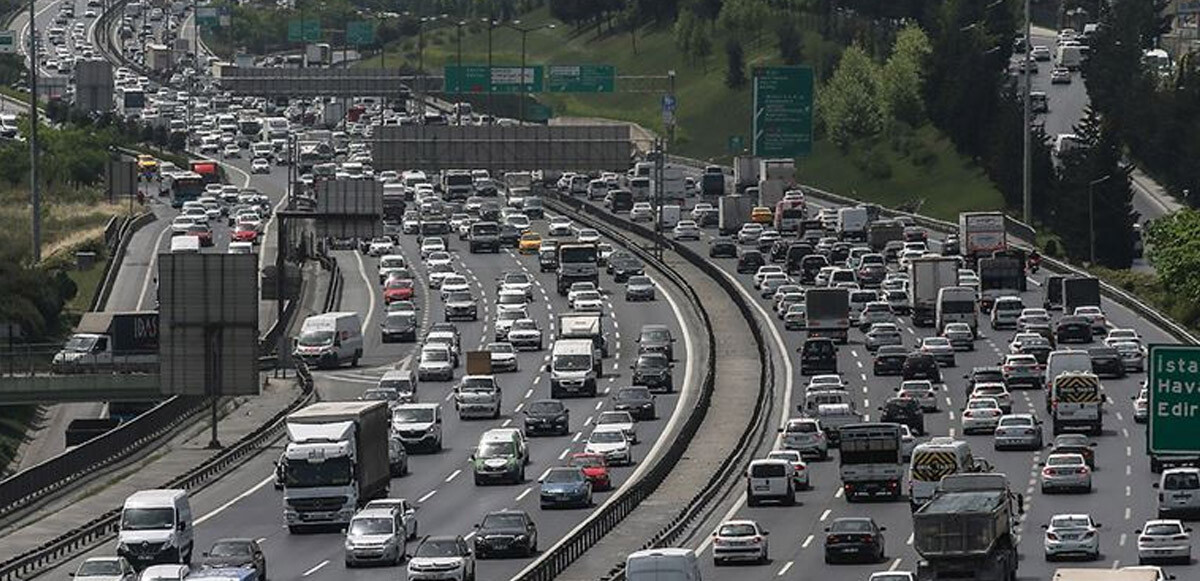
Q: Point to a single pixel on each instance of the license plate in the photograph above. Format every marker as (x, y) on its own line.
(762, 487)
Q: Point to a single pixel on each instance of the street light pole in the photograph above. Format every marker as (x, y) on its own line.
(1092, 215)
(1027, 154)
(34, 194)
(491, 22)
(458, 110)
(515, 25)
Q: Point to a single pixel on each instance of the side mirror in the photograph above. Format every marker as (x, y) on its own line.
(1044, 527)
(471, 457)
(881, 529)
(1091, 444)
(1097, 525)
(826, 529)
(1154, 485)
(766, 533)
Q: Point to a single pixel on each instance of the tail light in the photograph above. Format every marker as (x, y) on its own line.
(868, 539)
(968, 414)
(1081, 470)
(1089, 534)
(1179, 538)
(1047, 472)
(1052, 536)
(756, 539)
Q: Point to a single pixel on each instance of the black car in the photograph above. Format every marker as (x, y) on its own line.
(854, 539)
(889, 360)
(653, 370)
(1076, 444)
(818, 355)
(399, 327)
(625, 267)
(506, 532)
(638, 401)
(1073, 329)
(656, 339)
(839, 253)
(921, 366)
(722, 247)
(988, 374)
(779, 250)
(547, 416)
(904, 410)
(793, 261)
(510, 235)
(616, 257)
(547, 260)
(1040, 352)
(236, 553)
(809, 267)
(749, 261)
(1106, 362)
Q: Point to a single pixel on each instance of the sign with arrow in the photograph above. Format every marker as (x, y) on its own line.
(783, 110)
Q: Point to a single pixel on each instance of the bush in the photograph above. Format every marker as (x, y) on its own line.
(923, 156)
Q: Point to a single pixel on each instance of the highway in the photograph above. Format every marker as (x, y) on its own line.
(1122, 498)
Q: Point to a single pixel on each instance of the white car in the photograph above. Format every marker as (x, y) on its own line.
(981, 415)
(825, 382)
(622, 420)
(381, 246)
(763, 271)
(525, 334)
(612, 443)
(432, 244)
(740, 540)
(749, 233)
(1071, 535)
(105, 569)
(996, 391)
(511, 299)
(438, 258)
(686, 230)
(641, 212)
(921, 390)
(1122, 335)
(579, 287)
(503, 356)
(1096, 316)
(442, 558)
(1033, 316)
(232, 150)
(560, 226)
(587, 301)
(181, 224)
(1164, 540)
(799, 467)
(260, 165)
(455, 283)
(587, 236)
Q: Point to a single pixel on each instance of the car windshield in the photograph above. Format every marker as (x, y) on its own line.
(371, 526)
(435, 355)
(1063, 522)
(99, 568)
(435, 548)
(638, 280)
(801, 428)
(850, 526)
(587, 460)
(1063, 461)
(1162, 529)
(147, 519)
(614, 418)
(633, 394)
(500, 348)
(459, 297)
(477, 384)
(495, 450)
(413, 415)
(652, 361)
(380, 395)
(503, 521)
(655, 336)
(546, 407)
(737, 530)
(230, 549)
(607, 437)
(1182, 481)
(1015, 421)
(572, 363)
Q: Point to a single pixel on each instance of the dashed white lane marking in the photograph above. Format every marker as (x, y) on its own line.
(428, 495)
(895, 564)
(825, 514)
(783, 571)
(453, 475)
(524, 493)
(807, 541)
(506, 423)
(576, 437)
(564, 453)
(315, 569)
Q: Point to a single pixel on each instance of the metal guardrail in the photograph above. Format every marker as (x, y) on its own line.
(53, 552)
(555, 560)
(1173, 328)
(333, 293)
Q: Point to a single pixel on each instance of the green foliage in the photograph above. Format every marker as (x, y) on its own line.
(735, 64)
(34, 296)
(850, 104)
(744, 17)
(787, 33)
(1173, 246)
(904, 76)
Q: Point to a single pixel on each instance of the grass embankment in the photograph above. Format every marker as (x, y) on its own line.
(924, 170)
(1148, 287)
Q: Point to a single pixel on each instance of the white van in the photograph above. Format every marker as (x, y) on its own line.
(669, 215)
(573, 366)
(956, 304)
(668, 564)
(185, 245)
(770, 480)
(1064, 361)
(156, 528)
(330, 339)
(1178, 493)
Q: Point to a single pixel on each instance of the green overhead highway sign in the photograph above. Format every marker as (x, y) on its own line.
(783, 109)
(505, 79)
(360, 33)
(1174, 387)
(307, 30)
(208, 16)
(580, 78)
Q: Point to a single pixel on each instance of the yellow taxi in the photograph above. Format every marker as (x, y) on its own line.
(530, 243)
(147, 164)
(761, 215)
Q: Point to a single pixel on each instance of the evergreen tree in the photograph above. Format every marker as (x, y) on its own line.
(735, 67)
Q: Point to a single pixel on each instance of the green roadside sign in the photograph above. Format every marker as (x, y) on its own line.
(783, 110)
(1174, 388)
(581, 78)
(208, 17)
(505, 79)
(307, 30)
(360, 33)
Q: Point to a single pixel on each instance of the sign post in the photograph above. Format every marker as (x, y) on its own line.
(1174, 388)
(782, 115)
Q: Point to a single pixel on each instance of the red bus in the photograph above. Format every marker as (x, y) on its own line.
(208, 170)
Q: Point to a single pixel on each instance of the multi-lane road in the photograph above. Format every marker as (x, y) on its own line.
(1122, 498)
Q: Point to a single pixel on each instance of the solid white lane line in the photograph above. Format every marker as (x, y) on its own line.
(220, 509)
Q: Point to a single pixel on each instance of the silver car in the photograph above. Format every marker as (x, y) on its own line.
(883, 334)
(1018, 431)
(941, 349)
(1164, 540)
(960, 336)
(1066, 472)
(1133, 355)
(376, 535)
(1141, 406)
(1071, 535)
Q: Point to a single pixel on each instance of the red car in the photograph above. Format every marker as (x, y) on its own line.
(245, 234)
(595, 468)
(398, 290)
(202, 232)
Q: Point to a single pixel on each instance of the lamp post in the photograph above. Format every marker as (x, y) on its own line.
(421, 61)
(516, 25)
(458, 60)
(1092, 215)
(491, 24)
(35, 195)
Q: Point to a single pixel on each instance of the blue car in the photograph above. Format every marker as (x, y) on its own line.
(566, 487)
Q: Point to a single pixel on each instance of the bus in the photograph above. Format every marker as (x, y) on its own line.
(186, 187)
(789, 214)
(207, 170)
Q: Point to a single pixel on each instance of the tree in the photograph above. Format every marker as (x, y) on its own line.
(735, 67)
(701, 45)
(682, 32)
(849, 104)
(1095, 176)
(788, 35)
(628, 19)
(744, 17)
(1173, 244)
(904, 76)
